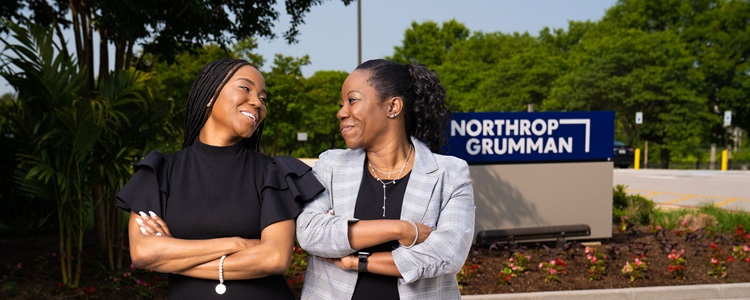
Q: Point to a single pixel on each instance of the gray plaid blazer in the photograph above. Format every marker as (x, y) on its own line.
(439, 194)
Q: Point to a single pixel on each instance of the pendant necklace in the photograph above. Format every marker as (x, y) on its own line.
(400, 172)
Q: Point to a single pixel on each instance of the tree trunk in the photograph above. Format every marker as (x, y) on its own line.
(664, 158)
(103, 55)
(119, 53)
(129, 55)
(100, 218)
(74, 11)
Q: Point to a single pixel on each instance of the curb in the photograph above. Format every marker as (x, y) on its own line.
(708, 291)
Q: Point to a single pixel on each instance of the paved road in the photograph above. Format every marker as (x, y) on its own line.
(729, 190)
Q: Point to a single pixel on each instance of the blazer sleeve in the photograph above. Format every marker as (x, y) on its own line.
(318, 233)
(445, 250)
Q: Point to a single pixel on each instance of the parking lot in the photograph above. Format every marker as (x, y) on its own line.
(688, 188)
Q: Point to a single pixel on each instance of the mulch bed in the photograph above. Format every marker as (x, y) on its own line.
(29, 268)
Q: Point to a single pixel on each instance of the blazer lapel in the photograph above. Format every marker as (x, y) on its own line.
(421, 184)
(346, 179)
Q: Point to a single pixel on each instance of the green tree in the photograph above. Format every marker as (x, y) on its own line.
(628, 70)
(428, 43)
(285, 86)
(499, 72)
(319, 105)
(718, 37)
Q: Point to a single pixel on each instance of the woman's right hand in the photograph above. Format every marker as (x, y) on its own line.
(408, 233)
(152, 225)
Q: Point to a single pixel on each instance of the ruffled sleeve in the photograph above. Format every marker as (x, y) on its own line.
(147, 189)
(288, 184)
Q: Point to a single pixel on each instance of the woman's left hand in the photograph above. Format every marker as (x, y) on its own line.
(152, 225)
(350, 262)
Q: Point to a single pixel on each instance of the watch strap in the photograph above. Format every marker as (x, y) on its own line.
(362, 261)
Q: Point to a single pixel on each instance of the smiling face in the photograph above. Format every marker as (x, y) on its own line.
(239, 109)
(363, 116)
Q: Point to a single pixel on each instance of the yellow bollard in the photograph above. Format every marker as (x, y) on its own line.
(724, 159)
(637, 159)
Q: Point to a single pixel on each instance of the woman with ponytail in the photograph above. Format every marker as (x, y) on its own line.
(396, 220)
(218, 216)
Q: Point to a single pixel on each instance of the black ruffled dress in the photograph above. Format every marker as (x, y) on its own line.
(205, 192)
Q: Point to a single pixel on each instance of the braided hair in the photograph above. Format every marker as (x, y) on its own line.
(425, 112)
(207, 87)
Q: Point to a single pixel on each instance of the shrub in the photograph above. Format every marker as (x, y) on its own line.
(638, 209)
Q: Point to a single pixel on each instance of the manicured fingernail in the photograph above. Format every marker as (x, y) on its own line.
(143, 230)
(139, 221)
(153, 215)
(143, 214)
(158, 234)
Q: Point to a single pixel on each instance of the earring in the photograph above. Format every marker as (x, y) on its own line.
(392, 116)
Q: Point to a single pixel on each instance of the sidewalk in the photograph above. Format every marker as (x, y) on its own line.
(709, 291)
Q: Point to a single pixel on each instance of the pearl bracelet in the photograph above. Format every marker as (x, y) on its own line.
(221, 288)
(416, 235)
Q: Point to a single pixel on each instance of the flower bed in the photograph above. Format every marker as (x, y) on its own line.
(633, 257)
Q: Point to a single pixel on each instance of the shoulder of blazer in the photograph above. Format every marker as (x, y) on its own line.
(340, 157)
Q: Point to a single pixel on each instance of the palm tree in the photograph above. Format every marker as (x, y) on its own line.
(80, 143)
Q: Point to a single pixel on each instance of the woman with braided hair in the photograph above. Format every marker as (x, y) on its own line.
(396, 219)
(218, 216)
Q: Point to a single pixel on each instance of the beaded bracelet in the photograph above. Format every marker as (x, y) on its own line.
(416, 235)
(221, 288)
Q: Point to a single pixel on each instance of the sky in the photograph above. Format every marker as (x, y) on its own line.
(329, 35)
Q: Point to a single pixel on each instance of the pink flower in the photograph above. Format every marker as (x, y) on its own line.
(714, 261)
(514, 268)
(627, 267)
(638, 262)
(593, 260)
(587, 250)
(541, 265)
(552, 262)
(510, 260)
(552, 271)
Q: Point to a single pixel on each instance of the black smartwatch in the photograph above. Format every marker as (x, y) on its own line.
(362, 266)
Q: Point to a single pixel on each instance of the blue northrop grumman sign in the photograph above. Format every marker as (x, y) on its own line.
(530, 137)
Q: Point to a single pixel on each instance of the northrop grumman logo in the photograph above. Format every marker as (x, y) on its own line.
(519, 136)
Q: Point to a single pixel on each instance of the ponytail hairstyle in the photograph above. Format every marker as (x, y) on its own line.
(425, 112)
(206, 88)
